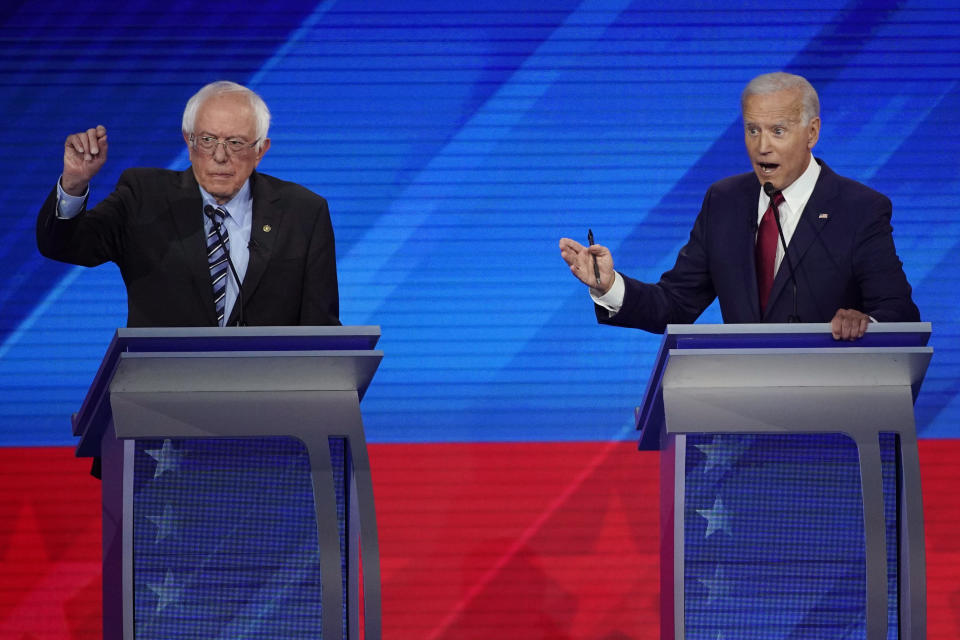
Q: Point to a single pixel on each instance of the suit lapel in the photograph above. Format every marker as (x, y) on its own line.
(186, 211)
(747, 202)
(814, 218)
(265, 225)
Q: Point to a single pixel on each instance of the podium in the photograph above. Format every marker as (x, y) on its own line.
(790, 481)
(237, 495)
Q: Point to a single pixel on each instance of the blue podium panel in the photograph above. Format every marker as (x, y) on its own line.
(891, 462)
(790, 482)
(225, 539)
(236, 482)
(774, 537)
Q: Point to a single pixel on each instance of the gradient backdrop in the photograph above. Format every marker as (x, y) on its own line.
(456, 146)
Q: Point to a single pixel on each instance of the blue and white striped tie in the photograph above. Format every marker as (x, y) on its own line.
(217, 256)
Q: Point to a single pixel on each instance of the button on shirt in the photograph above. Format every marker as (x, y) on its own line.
(238, 223)
(795, 198)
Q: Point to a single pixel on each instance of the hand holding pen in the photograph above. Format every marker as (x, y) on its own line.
(591, 264)
(596, 267)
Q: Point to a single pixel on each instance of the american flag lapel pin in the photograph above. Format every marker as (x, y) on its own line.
(824, 216)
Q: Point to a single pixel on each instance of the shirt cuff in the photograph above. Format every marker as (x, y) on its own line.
(612, 300)
(69, 206)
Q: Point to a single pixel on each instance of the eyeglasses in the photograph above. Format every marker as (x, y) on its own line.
(232, 146)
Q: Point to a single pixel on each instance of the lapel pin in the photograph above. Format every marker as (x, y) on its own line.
(267, 228)
(824, 216)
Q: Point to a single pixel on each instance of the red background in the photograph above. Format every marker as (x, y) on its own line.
(531, 540)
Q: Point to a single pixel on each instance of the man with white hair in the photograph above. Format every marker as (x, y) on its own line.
(840, 265)
(170, 232)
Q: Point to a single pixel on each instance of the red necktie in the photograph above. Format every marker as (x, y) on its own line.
(766, 253)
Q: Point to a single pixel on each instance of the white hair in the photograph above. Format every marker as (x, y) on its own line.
(261, 113)
(781, 81)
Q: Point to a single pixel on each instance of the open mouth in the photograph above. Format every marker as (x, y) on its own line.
(768, 167)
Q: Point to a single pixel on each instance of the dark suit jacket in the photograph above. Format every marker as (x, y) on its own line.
(152, 227)
(842, 252)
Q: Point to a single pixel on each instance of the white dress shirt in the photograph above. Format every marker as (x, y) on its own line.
(795, 198)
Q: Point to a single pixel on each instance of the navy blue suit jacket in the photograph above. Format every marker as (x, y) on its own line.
(842, 252)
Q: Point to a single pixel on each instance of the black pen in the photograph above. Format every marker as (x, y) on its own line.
(596, 268)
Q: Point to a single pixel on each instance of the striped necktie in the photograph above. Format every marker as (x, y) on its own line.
(217, 256)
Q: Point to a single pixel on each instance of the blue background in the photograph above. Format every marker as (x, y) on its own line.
(456, 146)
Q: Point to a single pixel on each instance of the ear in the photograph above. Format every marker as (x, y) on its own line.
(263, 149)
(813, 132)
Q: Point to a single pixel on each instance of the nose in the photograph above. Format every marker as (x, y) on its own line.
(763, 143)
(220, 152)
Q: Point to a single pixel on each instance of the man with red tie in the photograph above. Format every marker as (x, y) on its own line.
(840, 265)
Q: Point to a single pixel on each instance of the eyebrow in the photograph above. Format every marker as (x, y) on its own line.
(231, 137)
(780, 123)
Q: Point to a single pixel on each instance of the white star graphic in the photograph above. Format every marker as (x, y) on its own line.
(721, 453)
(168, 593)
(168, 458)
(718, 518)
(167, 524)
(717, 586)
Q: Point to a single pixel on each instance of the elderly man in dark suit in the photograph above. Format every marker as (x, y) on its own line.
(170, 231)
(837, 231)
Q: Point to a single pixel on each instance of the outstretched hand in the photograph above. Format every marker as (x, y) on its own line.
(84, 154)
(580, 260)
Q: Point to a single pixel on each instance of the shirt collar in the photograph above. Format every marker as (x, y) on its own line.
(237, 205)
(797, 194)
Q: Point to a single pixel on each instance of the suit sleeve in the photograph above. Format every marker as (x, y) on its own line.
(681, 294)
(320, 302)
(885, 291)
(92, 237)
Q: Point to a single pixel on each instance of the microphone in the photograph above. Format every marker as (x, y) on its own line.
(209, 210)
(772, 192)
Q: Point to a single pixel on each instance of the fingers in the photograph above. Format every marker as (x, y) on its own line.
(581, 261)
(570, 249)
(601, 261)
(88, 143)
(83, 155)
(849, 324)
(576, 256)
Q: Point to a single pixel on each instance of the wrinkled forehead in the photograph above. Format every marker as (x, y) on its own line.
(228, 114)
(780, 107)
